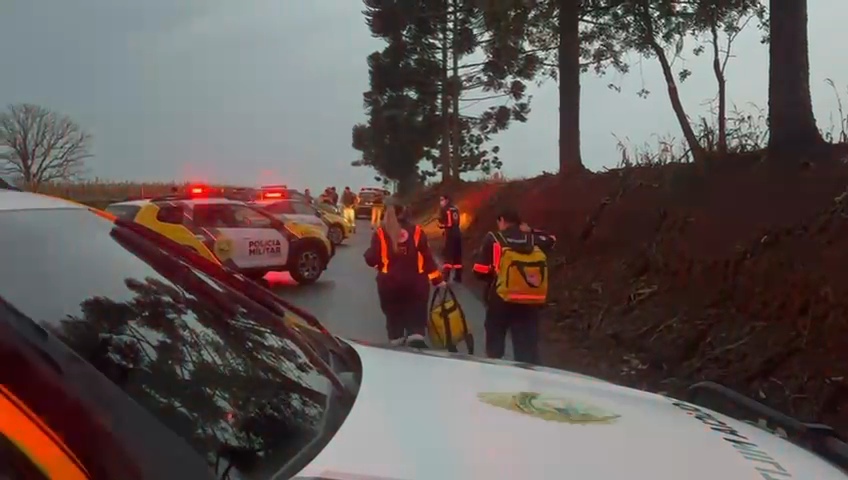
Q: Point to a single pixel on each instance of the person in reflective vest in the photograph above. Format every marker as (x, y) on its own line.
(405, 269)
(452, 253)
(513, 263)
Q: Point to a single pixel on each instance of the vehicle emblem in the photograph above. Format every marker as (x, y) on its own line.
(223, 248)
(548, 407)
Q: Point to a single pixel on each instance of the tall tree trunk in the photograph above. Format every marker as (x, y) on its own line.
(718, 71)
(444, 152)
(570, 160)
(698, 153)
(792, 125)
(456, 91)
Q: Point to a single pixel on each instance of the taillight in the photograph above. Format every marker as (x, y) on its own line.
(274, 195)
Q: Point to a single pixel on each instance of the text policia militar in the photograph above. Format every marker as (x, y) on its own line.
(766, 466)
(263, 247)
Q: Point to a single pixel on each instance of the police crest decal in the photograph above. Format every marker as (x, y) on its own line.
(549, 407)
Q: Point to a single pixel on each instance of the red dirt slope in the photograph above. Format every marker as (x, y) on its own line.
(669, 275)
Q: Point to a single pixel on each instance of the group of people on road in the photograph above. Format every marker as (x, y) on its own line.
(512, 262)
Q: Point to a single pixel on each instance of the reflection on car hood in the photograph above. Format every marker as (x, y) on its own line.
(435, 416)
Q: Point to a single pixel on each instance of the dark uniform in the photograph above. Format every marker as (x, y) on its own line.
(403, 279)
(449, 222)
(522, 321)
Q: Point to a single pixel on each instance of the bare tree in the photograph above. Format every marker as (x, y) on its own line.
(38, 146)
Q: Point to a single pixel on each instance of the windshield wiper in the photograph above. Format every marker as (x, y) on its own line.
(820, 439)
(157, 245)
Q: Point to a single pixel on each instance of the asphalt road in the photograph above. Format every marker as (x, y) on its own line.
(345, 297)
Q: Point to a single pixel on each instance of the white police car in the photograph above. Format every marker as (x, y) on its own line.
(133, 359)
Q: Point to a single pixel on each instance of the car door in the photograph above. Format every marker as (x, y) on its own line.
(256, 240)
(308, 214)
(298, 212)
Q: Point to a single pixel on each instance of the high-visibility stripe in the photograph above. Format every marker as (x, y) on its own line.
(46, 450)
(480, 268)
(497, 251)
(524, 296)
(417, 237)
(434, 275)
(384, 250)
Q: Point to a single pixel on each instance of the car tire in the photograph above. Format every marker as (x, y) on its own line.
(307, 265)
(335, 234)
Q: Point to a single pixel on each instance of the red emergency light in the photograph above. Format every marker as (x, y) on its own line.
(274, 195)
(198, 190)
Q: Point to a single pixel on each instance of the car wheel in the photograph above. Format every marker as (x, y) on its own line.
(335, 234)
(307, 266)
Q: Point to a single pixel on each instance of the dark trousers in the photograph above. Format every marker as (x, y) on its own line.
(521, 322)
(452, 254)
(406, 307)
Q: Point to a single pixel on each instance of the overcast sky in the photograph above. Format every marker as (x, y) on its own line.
(255, 91)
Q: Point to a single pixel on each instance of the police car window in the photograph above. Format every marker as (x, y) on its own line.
(247, 217)
(202, 361)
(302, 208)
(15, 464)
(280, 208)
(170, 214)
(124, 212)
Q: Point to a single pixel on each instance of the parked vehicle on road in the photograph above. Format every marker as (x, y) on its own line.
(332, 224)
(136, 358)
(229, 231)
(366, 200)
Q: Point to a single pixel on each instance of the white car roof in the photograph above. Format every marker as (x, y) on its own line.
(15, 200)
(131, 203)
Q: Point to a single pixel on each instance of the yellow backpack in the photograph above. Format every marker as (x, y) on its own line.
(522, 276)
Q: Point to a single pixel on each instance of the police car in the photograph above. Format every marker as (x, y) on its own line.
(134, 359)
(289, 206)
(232, 232)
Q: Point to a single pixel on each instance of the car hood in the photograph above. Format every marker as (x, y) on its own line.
(428, 415)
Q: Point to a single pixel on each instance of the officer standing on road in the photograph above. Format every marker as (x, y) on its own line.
(452, 253)
(349, 204)
(513, 260)
(405, 266)
(308, 196)
(334, 196)
(377, 207)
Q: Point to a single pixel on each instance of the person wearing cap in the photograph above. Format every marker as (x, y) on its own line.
(405, 270)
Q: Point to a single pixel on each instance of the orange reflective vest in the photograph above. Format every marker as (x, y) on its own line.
(384, 252)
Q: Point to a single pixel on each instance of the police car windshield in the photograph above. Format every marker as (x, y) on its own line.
(208, 362)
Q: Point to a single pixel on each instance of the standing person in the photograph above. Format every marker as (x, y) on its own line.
(405, 270)
(377, 207)
(308, 196)
(334, 196)
(452, 253)
(514, 262)
(326, 197)
(349, 204)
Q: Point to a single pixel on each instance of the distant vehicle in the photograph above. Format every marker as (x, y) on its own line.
(301, 211)
(366, 200)
(233, 233)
